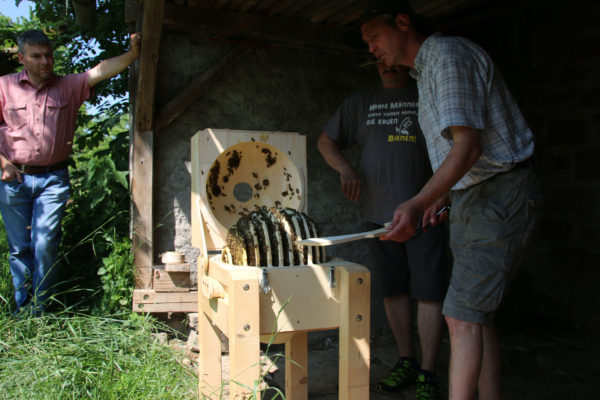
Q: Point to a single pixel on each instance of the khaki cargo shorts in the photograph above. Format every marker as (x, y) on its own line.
(491, 224)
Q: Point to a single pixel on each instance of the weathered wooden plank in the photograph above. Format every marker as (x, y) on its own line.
(176, 307)
(148, 300)
(247, 4)
(142, 142)
(174, 107)
(258, 27)
(143, 269)
(143, 277)
(141, 197)
(171, 281)
(349, 15)
(151, 33)
(320, 14)
(295, 8)
(141, 188)
(185, 267)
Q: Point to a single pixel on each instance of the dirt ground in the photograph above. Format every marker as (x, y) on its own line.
(539, 362)
(543, 363)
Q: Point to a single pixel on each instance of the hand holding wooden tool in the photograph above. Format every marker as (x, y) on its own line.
(329, 240)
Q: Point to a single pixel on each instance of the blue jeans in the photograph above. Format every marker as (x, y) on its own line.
(32, 212)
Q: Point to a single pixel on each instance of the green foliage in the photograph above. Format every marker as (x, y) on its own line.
(116, 276)
(62, 356)
(6, 286)
(96, 223)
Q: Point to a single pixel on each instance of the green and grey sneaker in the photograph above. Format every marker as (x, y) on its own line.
(403, 374)
(427, 388)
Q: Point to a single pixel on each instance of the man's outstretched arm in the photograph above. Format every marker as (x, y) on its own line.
(111, 67)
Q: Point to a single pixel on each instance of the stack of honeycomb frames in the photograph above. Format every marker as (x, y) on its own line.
(266, 238)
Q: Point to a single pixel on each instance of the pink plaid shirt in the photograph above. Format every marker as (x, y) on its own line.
(37, 125)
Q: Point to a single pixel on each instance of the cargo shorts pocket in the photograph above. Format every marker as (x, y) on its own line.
(479, 280)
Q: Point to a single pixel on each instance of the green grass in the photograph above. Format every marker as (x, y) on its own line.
(70, 355)
(60, 356)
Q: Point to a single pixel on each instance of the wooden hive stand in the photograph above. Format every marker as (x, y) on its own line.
(281, 305)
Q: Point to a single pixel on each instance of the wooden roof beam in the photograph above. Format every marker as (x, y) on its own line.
(251, 26)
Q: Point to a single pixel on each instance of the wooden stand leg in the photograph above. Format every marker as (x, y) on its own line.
(244, 343)
(296, 367)
(354, 333)
(209, 343)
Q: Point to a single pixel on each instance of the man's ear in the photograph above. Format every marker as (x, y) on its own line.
(20, 57)
(402, 22)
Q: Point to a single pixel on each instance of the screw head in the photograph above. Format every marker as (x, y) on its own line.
(359, 318)
(246, 287)
(246, 327)
(359, 281)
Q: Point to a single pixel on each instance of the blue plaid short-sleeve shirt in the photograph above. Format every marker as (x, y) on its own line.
(459, 85)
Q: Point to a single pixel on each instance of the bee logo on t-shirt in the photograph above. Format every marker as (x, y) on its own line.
(402, 133)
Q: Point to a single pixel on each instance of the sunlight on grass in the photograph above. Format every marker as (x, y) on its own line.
(60, 356)
(78, 356)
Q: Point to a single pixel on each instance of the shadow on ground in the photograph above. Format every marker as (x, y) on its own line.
(539, 361)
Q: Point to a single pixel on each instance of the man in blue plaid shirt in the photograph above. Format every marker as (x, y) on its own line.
(480, 148)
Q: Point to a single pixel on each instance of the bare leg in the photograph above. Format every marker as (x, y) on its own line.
(430, 323)
(399, 315)
(489, 379)
(466, 345)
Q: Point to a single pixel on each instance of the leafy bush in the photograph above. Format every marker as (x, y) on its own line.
(6, 286)
(116, 276)
(96, 245)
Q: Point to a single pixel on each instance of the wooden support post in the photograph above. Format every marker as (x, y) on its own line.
(142, 141)
(209, 372)
(296, 366)
(354, 333)
(141, 193)
(151, 33)
(244, 334)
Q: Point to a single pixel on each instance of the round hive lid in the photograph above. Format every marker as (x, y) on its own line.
(251, 174)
